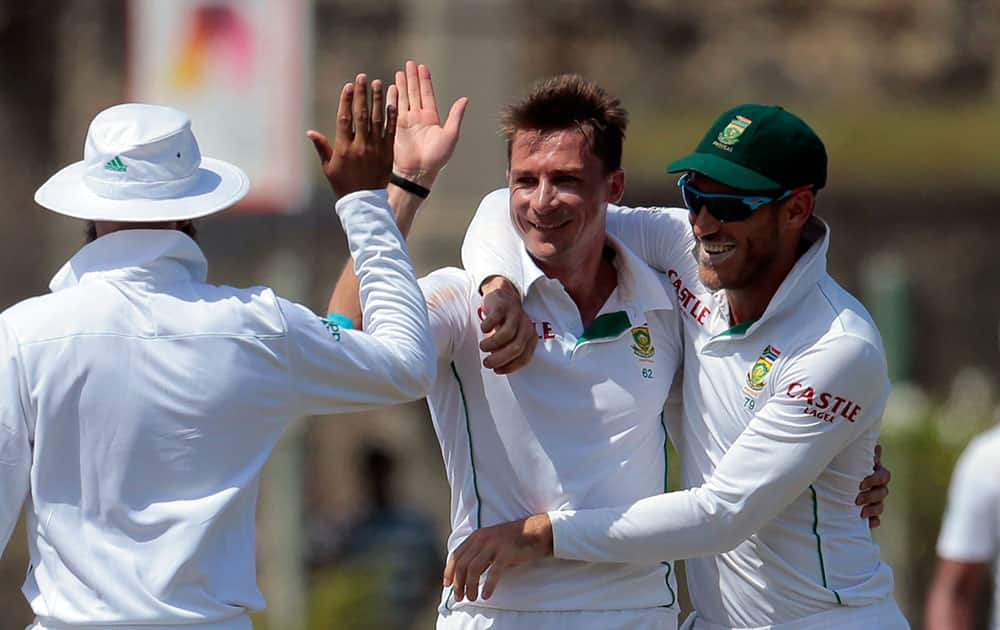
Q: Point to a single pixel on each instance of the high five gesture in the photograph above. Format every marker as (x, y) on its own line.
(361, 155)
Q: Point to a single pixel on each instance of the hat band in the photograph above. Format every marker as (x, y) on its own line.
(142, 190)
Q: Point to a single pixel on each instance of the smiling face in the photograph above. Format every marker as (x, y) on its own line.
(559, 191)
(740, 254)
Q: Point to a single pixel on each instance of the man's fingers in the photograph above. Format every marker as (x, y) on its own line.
(528, 343)
(477, 567)
(515, 354)
(458, 568)
(378, 109)
(449, 570)
(321, 144)
(875, 495)
(509, 366)
(492, 579)
(880, 477)
(454, 122)
(872, 510)
(874, 522)
(404, 97)
(427, 100)
(361, 114)
(492, 320)
(345, 114)
(878, 456)
(413, 86)
(501, 359)
(391, 115)
(501, 330)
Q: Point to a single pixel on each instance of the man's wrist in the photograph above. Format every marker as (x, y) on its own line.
(409, 186)
(538, 528)
(497, 283)
(421, 177)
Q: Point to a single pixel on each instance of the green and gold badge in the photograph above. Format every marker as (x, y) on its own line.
(643, 346)
(732, 132)
(761, 368)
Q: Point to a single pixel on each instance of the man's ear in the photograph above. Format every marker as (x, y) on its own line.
(616, 185)
(798, 208)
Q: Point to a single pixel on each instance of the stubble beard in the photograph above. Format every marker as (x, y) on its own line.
(755, 265)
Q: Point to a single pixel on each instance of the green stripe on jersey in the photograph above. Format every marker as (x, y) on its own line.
(819, 544)
(606, 326)
(738, 329)
(472, 459)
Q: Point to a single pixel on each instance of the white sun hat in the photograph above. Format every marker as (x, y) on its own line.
(141, 163)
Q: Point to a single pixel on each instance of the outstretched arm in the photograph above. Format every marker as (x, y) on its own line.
(335, 370)
(775, 460)
(422, 148)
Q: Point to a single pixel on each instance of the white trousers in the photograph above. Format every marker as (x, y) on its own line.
(884, 615)
(469, 617)
(241, 622)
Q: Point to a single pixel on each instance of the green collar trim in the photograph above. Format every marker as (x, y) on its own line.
(738, 329)
(606, 326)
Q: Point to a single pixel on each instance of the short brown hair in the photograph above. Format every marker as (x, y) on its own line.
(569, 101)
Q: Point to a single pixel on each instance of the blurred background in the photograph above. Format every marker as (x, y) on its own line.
(354, 509)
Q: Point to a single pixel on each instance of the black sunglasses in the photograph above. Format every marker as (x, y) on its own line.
(727, 208)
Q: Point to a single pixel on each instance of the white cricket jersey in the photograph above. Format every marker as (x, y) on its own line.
(970, 531)
(780, 421)
(139, 404)
(579, 427)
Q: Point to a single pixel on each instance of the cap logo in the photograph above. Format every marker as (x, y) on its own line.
(731, 134)
(116, 165)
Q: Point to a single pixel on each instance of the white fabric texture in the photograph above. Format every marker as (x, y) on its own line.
(480, 618)
(578, 427)
(771, 472)
(142, 163)
(970, 531)
(141, 403)
(884, 615)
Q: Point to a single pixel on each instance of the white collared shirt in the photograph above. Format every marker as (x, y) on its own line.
(140, 403)
(578, 427)
(780, 418)
(970, 530)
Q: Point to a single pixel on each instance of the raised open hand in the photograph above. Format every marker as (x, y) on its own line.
(361, 155)
(423, 145)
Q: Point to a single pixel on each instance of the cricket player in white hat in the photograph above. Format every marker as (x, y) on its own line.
(138, 403)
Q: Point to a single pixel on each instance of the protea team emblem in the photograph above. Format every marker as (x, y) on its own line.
(761, 367)
(643, 346)
(731, 134)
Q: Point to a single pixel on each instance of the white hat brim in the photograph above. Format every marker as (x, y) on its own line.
(219, 186)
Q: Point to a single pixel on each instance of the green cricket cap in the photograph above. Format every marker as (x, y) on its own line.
(759, 148)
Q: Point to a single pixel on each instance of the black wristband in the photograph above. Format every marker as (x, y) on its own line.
(410, 187)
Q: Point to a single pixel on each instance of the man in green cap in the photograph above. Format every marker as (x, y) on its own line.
(784, 384)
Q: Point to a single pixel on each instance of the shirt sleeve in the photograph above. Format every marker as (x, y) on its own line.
(780, 453)
(336, 370)
(447, 292)
(492, 247)
(969, 530)
(660, 236)
(15, 439)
